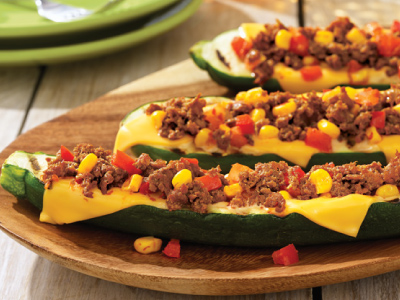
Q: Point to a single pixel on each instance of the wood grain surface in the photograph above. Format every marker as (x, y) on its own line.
(202, 269)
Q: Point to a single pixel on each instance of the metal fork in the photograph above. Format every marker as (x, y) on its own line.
(58, 12)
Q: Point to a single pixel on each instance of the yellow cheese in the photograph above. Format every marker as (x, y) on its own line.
(291, 80)
(142, 131)
(344, 214)
(296, 151)
(64, 203)
(249, 31)
(341, 214)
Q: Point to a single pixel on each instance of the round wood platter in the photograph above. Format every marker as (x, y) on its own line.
(201, 269)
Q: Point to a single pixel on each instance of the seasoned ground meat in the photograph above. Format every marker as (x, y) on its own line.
(265, 54)
(182, 117)
(262, 186)
(104, 175)
(353, 179)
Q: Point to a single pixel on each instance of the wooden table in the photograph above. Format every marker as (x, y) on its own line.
(30, 96)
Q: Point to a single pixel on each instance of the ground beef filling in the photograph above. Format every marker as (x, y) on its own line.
(182, 117)
(353, 119)
(259, 187)
(104, 175)
(336, 54)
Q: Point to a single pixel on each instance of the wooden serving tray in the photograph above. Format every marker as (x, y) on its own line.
(202, 269)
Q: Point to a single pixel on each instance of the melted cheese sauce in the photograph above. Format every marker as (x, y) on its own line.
(296, 152)
(64, 203)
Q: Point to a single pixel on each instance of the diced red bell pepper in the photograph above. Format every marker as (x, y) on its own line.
(378, 119)
(194, 161)
(144, 188)
(299, 45)
(210, 182)
(233, 175)
(311, 73)
(318, 139)
(354, 66)
(66, 154)
(241, 46)
(237, 138)
(388, 45)
(369, 97)
(124, 161)
(395, 26)
(173, 249)
(246, 124)
(286, 256)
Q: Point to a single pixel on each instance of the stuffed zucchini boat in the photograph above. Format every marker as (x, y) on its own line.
(340, 126)
(302, 59)
(273, 204)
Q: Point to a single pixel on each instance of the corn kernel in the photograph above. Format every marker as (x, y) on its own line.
(329, 128)
(309, 60)
(268, 132)
(202, 137)
(255, 95)
(135, 183)
(241, 96)
(351, 92)
(157, 118)
(397, 108)
(182, 177)
(284, 109)
(147, 244)
(373, 135)
(355, 36)
(225, 128)
(257, 114)
(251, 30)
(387, 191)
(232, 190)
(359, 77)
(322, 181)
(324, 37)
(88, 163)
(285, 195)
(328, 95)
(282, 39)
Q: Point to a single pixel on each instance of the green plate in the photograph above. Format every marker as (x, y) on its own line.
(19, 18)
(156, 25)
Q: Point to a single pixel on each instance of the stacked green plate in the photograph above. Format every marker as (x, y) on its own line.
(28, 39)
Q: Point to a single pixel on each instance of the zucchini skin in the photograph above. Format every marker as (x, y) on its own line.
(213, 229)
(240, 83)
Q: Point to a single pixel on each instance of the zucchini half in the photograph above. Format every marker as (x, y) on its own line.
(209, 160)
(237, 77)
(20, 176)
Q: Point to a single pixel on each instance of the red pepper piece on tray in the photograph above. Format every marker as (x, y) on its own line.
(286, 256)
(66, 154)
(173, 249)
(124, 161)
(318, 139)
